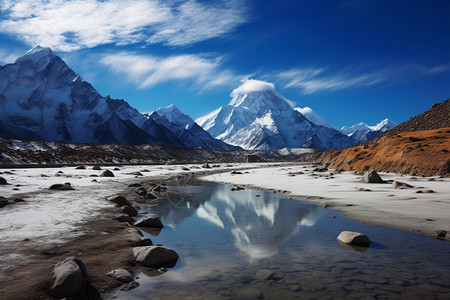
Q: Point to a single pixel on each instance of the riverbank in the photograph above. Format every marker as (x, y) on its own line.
(422, 208)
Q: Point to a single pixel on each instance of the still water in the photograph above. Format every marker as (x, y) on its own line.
(225, 238)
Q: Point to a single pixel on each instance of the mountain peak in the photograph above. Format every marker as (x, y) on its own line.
(37, 53)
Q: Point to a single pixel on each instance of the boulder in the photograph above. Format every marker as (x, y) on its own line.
(107, 173)
(397, 184)
(129, 210)
(149, 221)
(151, 256)
(124, 219)
(141, 191)
(159, 188)
(80, 167)
(121, 275)
(264, 274)
(61, 187)
(136, 173)
(3, 181)
(372, 177)
(234, 172)
(353, 238)
(206, 166)
(150, 196)
(69, 279)
(185, 168)
(3, 202)
(440, 233)
(135, 185)
(119, 200)
(96, 168)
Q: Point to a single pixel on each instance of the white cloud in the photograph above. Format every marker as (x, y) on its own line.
(311, 80)
(8, 56)
(252, 85)
(70, 25)
(148, 70)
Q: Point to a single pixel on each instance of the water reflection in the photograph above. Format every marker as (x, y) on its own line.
(259, 222)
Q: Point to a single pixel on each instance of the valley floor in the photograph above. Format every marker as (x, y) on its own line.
(49, 226)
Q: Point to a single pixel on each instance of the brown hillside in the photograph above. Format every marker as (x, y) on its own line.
(438, 116)
(415, 153)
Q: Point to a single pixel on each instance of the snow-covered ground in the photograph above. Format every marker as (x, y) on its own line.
(403, 209)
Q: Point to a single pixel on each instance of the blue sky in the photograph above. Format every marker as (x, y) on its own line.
(350, 61)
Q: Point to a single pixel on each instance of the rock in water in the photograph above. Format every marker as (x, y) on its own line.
(353, 238)
(372, 177)
(70, 278)
(151, 256)
(119, 200)
(3, 181)
(107, 173)
(149, 221)
(141, 191)
(129, 210)
(3, 202)
(264, 274)
(96, 167)
(121, 275)
(397, 184)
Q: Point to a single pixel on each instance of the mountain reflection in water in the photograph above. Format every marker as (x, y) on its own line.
(258, 221)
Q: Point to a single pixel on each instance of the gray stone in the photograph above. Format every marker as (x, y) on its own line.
(3, 181)
(206, 166)
(96, 168)
(107, 173)
(129, 210)
(402, 185)
(124, 219)
(61, 187)
(69, 278)
(150, 196)
(130, 286)
(353, 238)
(264, 274)
(149, 221)
(3, 202)
(80, 167)
(372, 177)
(121, 275)
(158, 188)
(150, 256)
(141, 191)
(119, 200)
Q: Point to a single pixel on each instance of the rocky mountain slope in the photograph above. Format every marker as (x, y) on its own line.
(42, 98)
(405, 149)
(258, 117)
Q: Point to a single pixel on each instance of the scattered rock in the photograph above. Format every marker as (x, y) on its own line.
(440, 233)
(121, 275)
(124, 219)
(372, 177)
(129, 210)
(135, 185)
(18, 200)
(116, 169)
(353, 238)
(61, 187)
(264, 274)
(149, 221)
(185, 168)
(234, 172)
(159, 188)
(364, 190)
(151, 256)
(150, 196)
(70, 278)
(250, 293)
(3, 181)
(206, 166)
(141, 191)
(397, 184)
(80, 167)
(3, 202)
(137, 173)
(119, 200)
(107, 173)
(96, 167)
(130, 286)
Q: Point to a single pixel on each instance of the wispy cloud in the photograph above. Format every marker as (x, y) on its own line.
(70, 25)
(147, 70)
(311, 80)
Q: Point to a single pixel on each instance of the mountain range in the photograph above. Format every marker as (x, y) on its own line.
(41, 98)
(258, 117)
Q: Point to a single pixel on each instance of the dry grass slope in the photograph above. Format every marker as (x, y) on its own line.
(417, 153)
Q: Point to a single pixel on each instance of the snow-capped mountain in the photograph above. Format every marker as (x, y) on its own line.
(313, 117)
(41, 97)
(258, 117)
(362, 132)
